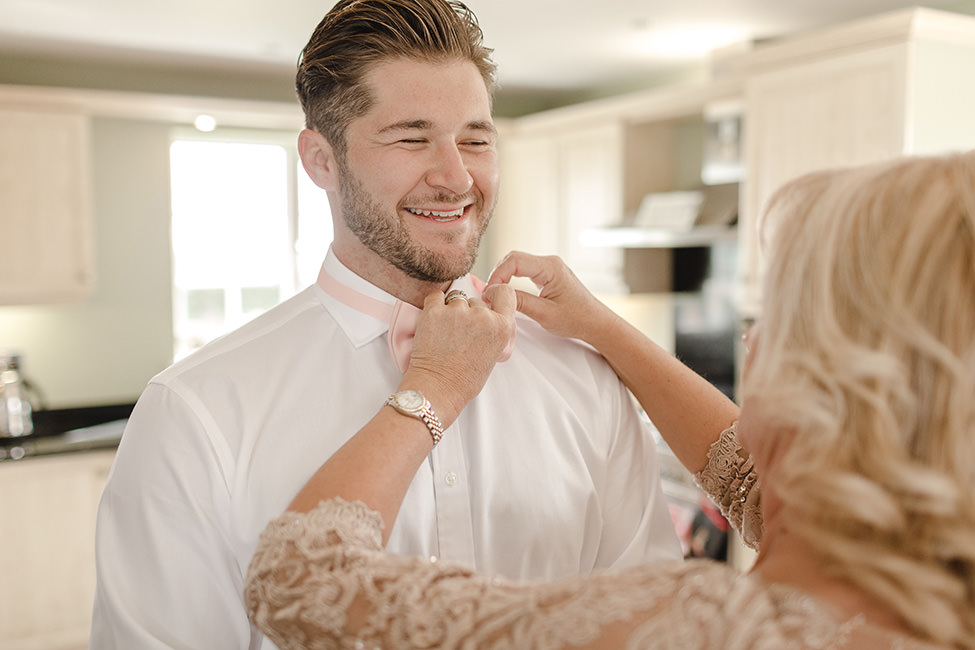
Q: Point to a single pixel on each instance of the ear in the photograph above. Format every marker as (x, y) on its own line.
(318, 159)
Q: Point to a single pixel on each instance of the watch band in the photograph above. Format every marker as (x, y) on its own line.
(414, 404)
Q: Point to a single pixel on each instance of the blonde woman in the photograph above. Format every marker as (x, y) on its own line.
(858, 415)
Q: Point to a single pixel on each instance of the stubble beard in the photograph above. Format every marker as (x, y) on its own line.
(392, 241)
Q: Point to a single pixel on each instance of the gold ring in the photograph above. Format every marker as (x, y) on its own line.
(455, 294)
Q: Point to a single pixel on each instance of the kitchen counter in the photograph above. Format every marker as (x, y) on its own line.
(69, 431)
(100, 436)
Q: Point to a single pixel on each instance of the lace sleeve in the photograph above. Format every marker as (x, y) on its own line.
(730, 480)
(321, 580)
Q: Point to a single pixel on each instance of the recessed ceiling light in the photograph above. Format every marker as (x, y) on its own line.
(688, 41)
(205, 123)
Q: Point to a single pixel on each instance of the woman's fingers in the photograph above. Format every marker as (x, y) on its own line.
(523, 265)
(563, 306)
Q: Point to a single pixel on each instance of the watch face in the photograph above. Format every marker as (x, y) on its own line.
(410, 400)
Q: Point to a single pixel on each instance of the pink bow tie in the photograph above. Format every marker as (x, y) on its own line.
(401, 316)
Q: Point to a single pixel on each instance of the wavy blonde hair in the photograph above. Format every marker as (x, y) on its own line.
(867, 361)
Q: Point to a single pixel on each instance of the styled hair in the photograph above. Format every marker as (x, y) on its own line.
(866, 362)
(356, 35)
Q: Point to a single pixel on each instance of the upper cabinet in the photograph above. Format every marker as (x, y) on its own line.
(864, 92)
(555, 184)
(45, 212)
(573, 179)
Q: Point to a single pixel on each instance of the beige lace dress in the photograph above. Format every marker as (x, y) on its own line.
(321, 580)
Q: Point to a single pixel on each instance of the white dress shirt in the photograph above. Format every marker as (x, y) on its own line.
(548, 472)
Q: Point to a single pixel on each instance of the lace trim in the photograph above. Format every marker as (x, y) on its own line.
(730, 480)
(292, 567)
(320, 580)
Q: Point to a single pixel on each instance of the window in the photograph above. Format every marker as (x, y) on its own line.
(249, 229)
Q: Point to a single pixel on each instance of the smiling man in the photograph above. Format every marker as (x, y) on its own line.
(415, 179)
(548, 472)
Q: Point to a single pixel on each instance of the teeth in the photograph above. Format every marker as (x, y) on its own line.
(438, 216)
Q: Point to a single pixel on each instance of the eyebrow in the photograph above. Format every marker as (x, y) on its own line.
(480, 125)
(420, 125)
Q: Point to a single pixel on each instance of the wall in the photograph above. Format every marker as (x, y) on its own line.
(941, 124)
(104, 350)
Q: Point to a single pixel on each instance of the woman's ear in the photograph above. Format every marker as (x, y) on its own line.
(318, 159)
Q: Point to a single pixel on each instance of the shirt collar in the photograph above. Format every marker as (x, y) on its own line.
(362, 328)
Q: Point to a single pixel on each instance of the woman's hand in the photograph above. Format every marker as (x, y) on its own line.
(456, 346)
(454, 350)
(563, 306)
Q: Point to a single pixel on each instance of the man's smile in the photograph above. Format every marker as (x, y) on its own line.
(438, 215)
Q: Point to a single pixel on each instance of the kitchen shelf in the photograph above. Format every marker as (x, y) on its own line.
(639, 237)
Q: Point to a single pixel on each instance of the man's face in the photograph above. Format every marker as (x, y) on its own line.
(419, 179)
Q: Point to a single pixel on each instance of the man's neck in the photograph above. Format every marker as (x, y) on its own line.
(368, 266)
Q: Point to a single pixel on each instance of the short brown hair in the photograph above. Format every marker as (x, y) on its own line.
(355, 35)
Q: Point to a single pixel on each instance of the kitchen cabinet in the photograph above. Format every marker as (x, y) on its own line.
(557, 184)
(573, 178)
(591, 191)
(45, 216)
(527, 215)
(859, 93)
(47, 549)
(574, 171)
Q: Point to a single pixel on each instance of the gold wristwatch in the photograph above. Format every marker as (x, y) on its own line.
(414, 404)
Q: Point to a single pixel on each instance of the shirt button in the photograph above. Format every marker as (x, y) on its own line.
(450, 478)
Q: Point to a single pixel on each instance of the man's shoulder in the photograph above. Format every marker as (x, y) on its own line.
(262, 338)
(532, 337)
(542, 348)
(559, 372)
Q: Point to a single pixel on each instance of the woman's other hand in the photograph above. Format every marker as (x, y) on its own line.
(457, 345)
(563, 305)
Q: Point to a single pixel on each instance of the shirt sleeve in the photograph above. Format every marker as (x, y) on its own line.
(165, 573)
(637, 525)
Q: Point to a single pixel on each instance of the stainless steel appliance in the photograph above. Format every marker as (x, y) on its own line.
(16, 411)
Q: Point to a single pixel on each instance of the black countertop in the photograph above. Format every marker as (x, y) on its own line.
(68, 431)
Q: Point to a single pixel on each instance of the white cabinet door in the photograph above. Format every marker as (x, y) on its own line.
(839, 111)
(591, 193)
(555, 184)
(856, 94)
(47, 549)
(45, 217)
(527, 216)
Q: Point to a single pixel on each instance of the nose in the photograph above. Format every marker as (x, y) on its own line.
(449, 170)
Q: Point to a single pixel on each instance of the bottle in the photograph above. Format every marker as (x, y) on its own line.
(16, 415)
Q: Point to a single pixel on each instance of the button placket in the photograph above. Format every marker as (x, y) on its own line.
(455, 527)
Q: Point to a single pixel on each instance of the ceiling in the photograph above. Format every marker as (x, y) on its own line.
(541, 46)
